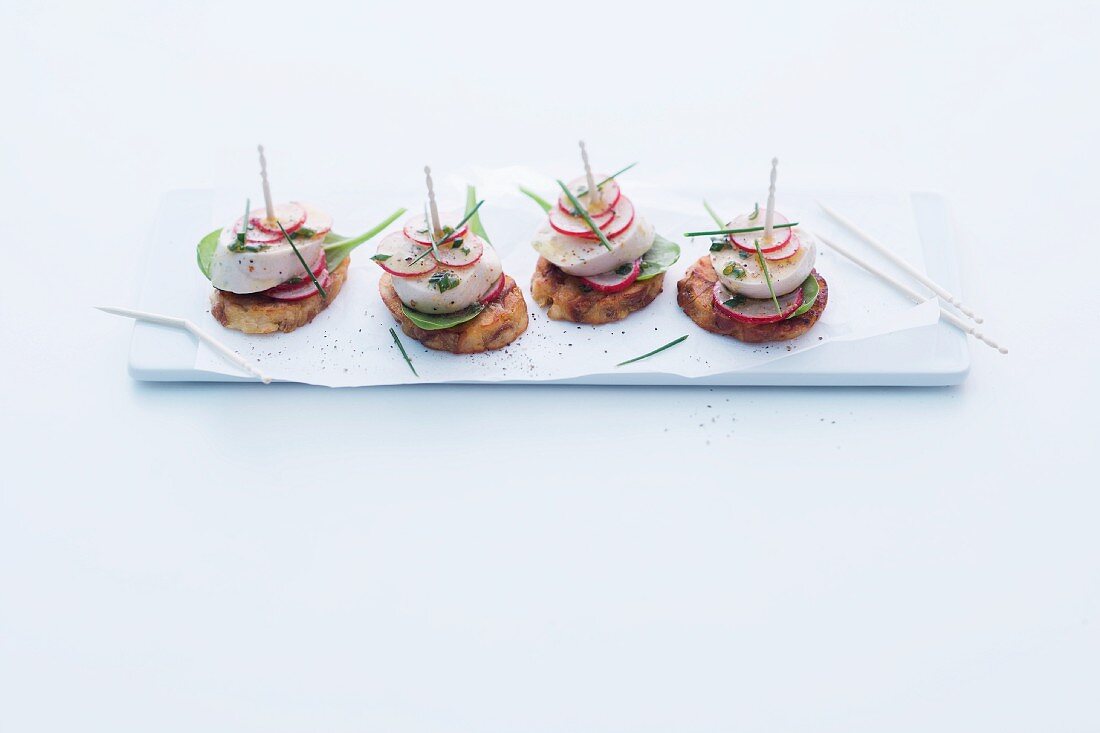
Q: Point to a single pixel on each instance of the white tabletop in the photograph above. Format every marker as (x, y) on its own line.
(220, 557)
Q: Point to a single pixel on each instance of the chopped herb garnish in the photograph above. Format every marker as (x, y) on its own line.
(304, 233)
(584, 215)
(624, 269)
(301, 259)
(669, 345)
(456, 243)
(381, 258)
(718, 244)
(444, 280)
(755, 212)
(403, 352)
(734, 269)
(736, 300)
(747, 230)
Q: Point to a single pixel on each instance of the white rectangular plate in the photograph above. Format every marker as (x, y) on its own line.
(929, 355)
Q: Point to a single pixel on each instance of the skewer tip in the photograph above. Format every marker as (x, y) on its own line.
(775, 162)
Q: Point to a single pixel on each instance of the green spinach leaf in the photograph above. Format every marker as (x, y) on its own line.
(662, 255)
(439, 321)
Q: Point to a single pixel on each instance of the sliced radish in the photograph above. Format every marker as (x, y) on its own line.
(575, 226)
(755, 310)
(783, 252)
(302, 290)
(403, 257)
(317, 222)
(319, 267)
(493, 292)
(416, 228)
(291, 216)
(460, 251)
(255, 235)
(747, 241)
(624, 217)
(609, 194)
(618, 279)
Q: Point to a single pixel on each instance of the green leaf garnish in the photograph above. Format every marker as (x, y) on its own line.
(444, 280)
(381, 258)
(810, 290)
(755, 211)
(439, 321)
(734, 269)
(204, 253)
(337, 248)
(717, 245)
(669, 345)
(404, 353)
(662, 255)
(767, 274)
(716, 232)
(584, 215)
(475, 220)
(546, 205)
(309, 270)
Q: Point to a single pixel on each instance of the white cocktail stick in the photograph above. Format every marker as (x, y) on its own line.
(267, 187)
(913, 294)
(769, 215)
(187, 325)
(593, 191)
(902, 263)
(431, 204)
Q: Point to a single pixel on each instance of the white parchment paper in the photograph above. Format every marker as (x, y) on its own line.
(349, 344)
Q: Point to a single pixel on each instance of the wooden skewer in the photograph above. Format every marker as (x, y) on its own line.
(913, 295)
(593, 189)
(902, 264)
(187, 325)
(434, 223)
(267, 187)
(769, 213)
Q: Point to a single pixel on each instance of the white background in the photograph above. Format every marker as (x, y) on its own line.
(237, 558)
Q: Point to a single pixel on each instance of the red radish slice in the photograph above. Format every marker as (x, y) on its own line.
(319, 267)
(416, 228)
(624, 217)
(302, 290)
(755, 310)
(291, 216)
(746, 241)
(783, 252)
(609, 194)
(317, 222)
(254, 235)
(575, 226)
(494, 292)
(618, 279)
(460, 251)
(403, 257)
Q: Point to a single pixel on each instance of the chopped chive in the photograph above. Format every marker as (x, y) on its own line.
(465, 219)
(713, 215)
(767, 275)
(755, 211)
(669, 345)
(404, 353)
(738, 231)
(309, 270)
(584, 215)
(242, 235)
(616, 174)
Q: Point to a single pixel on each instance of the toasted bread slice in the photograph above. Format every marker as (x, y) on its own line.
(257, 313)
(695, 291)
(566, 298)
(501, 323)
